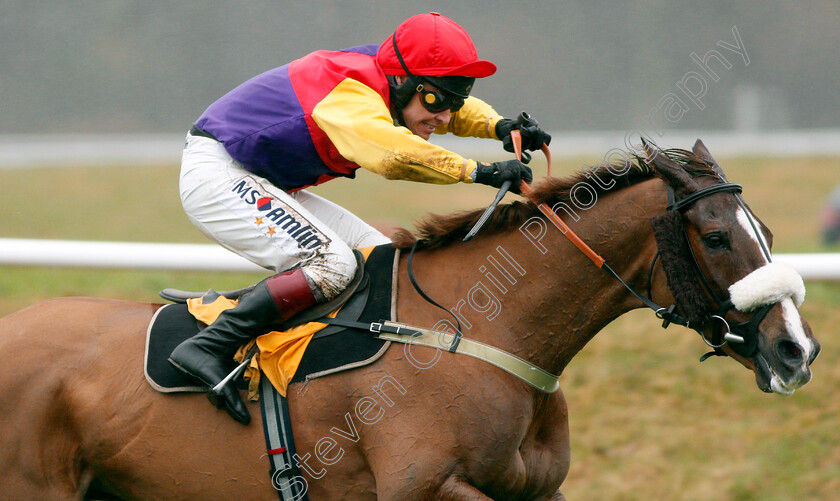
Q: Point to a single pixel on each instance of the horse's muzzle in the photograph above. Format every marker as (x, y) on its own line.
(786, 368)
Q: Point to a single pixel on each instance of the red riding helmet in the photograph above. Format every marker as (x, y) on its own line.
(431, 45)
(434, 48)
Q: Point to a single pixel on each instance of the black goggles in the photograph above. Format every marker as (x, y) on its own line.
(436, 101)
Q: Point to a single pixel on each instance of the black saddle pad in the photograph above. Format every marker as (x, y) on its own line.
(331, 350)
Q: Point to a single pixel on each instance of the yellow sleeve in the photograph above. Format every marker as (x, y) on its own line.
(475, 119)
(359, 124)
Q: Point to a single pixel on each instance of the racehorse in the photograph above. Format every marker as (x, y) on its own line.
(79, 420)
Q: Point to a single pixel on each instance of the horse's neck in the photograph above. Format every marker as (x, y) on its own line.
(588, 298)
(538, 297)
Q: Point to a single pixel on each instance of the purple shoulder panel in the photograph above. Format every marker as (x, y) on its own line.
(262, 125)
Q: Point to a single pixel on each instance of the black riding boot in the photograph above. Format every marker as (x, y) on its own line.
(203, 356)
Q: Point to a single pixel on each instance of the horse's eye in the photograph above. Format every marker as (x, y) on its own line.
(716, 241)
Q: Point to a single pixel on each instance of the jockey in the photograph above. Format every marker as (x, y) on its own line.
(250, 155)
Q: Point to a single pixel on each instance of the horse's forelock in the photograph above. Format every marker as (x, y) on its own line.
(691, 162)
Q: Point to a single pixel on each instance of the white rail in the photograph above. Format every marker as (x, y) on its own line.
(129, 255)
(203, 257)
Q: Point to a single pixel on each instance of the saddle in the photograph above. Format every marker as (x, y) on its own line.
(332, 349)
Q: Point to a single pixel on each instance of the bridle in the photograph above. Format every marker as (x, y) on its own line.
(742, 337)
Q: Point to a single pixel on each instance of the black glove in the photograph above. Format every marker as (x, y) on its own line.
(532, 136)
(497, 173)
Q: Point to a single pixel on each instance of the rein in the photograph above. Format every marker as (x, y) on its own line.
(742, 337)
(668, 315)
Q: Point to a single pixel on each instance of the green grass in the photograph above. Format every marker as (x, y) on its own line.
(647, 420)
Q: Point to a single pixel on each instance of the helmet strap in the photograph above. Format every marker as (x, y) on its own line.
(399, 56)
(402, 93)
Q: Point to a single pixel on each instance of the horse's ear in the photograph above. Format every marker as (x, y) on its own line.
(702, 153)
(672, 172)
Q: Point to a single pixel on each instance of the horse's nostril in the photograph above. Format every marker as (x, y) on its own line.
(788, 350)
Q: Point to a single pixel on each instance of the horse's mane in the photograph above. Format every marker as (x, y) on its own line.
(436, 230)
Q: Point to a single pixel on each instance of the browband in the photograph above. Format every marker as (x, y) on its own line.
(711, 190)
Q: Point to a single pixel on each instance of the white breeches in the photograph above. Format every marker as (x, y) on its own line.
(277, 230)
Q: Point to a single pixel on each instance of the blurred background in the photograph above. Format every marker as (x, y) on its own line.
(129, 66)
(96, 97)
(121, 81)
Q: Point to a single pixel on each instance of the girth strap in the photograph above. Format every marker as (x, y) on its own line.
(401, 333)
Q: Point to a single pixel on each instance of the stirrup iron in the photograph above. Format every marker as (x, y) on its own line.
(214, 394)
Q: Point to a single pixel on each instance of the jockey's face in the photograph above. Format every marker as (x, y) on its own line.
(421, 121)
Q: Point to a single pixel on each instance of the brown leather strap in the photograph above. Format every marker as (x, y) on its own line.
(552, 216)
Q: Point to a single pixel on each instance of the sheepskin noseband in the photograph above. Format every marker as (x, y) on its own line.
(679, 268)
(769, 284)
